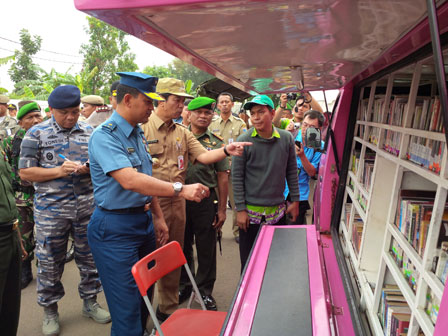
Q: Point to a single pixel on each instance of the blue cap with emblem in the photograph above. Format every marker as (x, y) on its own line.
(146, 84)
(64, 96)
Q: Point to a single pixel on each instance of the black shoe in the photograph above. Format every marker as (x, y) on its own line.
(184, 294)
(161, 316)
(209, 302)
(70, 253)
(27, 275)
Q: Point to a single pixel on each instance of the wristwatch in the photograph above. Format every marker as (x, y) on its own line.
(177, 186)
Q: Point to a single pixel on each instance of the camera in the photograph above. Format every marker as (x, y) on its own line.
(291, 96)
(296, 125)
(313, 138)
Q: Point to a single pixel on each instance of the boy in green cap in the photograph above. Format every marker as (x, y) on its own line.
(28, 116)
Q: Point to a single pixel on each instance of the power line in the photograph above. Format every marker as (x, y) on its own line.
(44, 59)
(49, 51)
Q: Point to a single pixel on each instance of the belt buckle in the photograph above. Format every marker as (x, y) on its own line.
(15, 225)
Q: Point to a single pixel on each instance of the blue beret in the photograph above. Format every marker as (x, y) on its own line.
(146, 84)
(64, 96)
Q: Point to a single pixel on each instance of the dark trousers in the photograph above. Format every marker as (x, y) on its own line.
(117, 242)
(247, 240)
(10, 267)
(304, 206)
(199, 229)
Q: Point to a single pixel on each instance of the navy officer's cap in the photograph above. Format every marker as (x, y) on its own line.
(64, 96)
(146, 84)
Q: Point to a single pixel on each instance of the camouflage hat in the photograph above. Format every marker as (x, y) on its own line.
(4, 99)
(93, 100)
(172, 86)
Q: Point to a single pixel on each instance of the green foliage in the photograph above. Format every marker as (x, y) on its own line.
(160, 71)
(185, 71)
(5, 60)
(23, 66)
(42, 87)
(108, 52)
(177, 68)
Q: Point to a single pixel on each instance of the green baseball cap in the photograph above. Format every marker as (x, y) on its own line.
(200, 102)
(259, 100)
(25, 109)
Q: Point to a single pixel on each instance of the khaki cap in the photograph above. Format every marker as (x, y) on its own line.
(92, 99)
(4, 99)
(172, 86)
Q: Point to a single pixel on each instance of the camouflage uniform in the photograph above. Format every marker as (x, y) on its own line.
(60, 206)
(23, 192)
(8, 127)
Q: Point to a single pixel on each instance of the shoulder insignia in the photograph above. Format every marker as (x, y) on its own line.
(182, 125)
(218, 136)
(111, 125)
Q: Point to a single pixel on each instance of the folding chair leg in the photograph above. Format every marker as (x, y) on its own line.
(153, 315)
(195, 287)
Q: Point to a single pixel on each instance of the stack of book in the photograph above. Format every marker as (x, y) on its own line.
(366, 177)
(422, 151)
(405, 265)
(394, 313)
(355, 160)
(414, 210)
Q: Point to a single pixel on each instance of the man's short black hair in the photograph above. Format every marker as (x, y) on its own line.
(225, 94)
(122, 90)
(312, 114)
(114, 86)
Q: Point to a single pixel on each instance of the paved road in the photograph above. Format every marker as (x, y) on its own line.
(74, 324)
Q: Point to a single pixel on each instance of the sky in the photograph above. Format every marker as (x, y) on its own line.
(61, 27)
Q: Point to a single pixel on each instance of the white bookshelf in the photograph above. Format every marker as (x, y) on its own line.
(374, 265)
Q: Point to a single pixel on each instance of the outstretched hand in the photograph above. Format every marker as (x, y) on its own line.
(237, 148)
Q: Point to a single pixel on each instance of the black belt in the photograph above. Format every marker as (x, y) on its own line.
(7, 227)
(136, 210)
(27, 190)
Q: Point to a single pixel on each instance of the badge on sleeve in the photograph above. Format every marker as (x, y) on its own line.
(180, 162)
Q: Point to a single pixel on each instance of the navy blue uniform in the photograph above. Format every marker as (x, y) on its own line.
(120, 232)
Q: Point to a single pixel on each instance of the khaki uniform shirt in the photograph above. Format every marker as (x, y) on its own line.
(8, 127)
(171, 147)
(230, 129)
(207, 174)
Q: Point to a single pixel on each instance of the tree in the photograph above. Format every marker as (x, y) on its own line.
(41, 88)
(23, 67)
(109, 52)
(185, 71)
(159, 71)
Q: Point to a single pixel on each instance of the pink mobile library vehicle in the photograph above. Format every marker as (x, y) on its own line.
(376, 259)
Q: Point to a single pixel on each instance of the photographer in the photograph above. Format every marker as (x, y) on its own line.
(307, 160)
(304, 103)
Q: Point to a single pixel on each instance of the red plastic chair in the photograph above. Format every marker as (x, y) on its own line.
(182, 321)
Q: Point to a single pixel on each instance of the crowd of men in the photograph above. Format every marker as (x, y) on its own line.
(158, 166)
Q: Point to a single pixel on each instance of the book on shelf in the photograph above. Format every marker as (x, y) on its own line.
(404, 263)
(357, 228)
(355, 160)
(392, 141)
(347, 212)
(432, 306)
(414, 210)
(421, 150)
(442, 262)
(393, 310)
